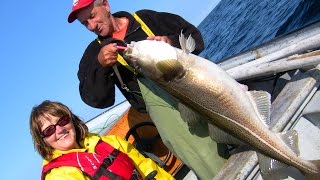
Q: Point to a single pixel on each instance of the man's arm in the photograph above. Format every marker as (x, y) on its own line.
(171, 25)
(96, 84)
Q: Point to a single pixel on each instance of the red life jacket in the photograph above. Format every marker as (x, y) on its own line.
(107, 163)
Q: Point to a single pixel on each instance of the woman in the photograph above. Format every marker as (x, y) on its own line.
(71, 152)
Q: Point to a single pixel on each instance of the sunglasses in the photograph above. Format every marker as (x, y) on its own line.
(64, 120)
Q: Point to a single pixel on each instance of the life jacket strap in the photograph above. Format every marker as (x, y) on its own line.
(102, 171)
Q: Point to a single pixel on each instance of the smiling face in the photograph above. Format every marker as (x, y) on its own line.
(97, 18)
(64, 137)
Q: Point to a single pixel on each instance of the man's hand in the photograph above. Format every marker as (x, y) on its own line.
(160, 38)
(108, 55)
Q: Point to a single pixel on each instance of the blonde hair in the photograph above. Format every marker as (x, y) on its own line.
(55, 109)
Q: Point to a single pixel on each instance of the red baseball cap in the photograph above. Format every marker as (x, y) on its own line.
(76, 6)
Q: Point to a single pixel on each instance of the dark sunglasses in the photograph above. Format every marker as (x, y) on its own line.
(64, 120)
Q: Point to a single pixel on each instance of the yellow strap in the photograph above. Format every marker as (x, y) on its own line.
(125, 64)
(146, 29)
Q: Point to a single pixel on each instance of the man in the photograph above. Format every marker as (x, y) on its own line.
(98, 76)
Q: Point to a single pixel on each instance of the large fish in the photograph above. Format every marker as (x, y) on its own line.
(210, 91)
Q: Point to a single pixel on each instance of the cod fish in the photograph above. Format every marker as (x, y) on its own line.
(208, 90)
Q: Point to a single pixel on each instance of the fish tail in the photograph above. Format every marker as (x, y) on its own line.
(314, 176)
(290, 138)
(276, 169)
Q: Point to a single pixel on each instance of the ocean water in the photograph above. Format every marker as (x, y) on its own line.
(234, 26)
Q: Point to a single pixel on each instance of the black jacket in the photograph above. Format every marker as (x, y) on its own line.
(97, 83)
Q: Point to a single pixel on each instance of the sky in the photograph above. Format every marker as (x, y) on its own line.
(40, 53)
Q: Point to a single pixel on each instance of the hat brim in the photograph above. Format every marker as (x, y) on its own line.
(73, 15)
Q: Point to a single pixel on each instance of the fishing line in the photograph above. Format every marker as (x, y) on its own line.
(107, 124)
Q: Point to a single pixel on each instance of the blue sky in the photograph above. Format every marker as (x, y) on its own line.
(40, 52)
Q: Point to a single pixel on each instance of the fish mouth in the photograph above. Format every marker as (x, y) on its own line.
(130, 58)
(127, 52)
(130, 55)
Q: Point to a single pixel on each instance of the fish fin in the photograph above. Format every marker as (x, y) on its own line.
(290, 138)
(262, 105)
(276, 169)
(171, 69)
(190, 44)
(182, 41)
(187, 45)
(268, 165)
(189, 116)
(221, 136)
(273, 169)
